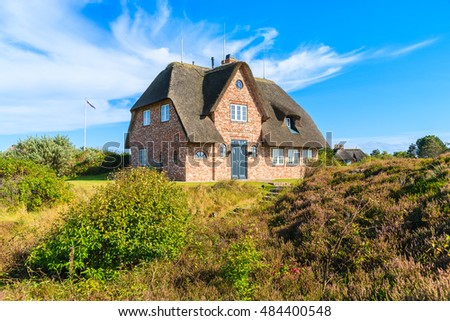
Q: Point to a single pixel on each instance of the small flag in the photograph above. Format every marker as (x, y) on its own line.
(90, 104)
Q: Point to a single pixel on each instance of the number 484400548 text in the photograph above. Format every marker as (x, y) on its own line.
(296, 311)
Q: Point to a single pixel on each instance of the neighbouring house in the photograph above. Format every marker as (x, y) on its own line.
(208, 124)
(348, 155)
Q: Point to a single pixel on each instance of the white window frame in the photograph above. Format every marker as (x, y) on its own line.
(277, 159)
(223, 150)
(306, 155)
(293, 157)
(288, 122)
(142, 157)
(238, 113)
(198, 152)
(165, 113)
(146, 117)
(254, 151)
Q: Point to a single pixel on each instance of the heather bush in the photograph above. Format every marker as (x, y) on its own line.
(349, 225)
(138, 218)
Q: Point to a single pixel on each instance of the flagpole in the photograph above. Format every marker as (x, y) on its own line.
(85, 123)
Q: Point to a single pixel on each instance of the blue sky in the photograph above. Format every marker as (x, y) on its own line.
(375, 74)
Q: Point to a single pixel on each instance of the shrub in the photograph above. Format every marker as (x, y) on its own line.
(241, 262)
(138, 218)
(109, 162)
(26, 183)
(56, 152)
(59, 154)
(350, 225)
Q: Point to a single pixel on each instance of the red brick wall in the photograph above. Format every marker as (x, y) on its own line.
(160, 138)
(231, 130)
(261, 167)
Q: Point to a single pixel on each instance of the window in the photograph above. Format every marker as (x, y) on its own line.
(238, 112)
(254, 151)
(146, 118)
(200, 154)
(165, 113)
(175, 157)
(290, 123)
(293, 157)
(277, 156)
(307, 155)
(223, 150)
(143, 157)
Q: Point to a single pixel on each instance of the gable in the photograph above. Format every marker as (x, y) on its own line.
(219, 80)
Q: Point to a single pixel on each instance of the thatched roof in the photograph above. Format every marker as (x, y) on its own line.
(280, 105)
(195, 92)
(350, 154)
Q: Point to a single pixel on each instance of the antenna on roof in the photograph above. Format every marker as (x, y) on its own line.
(182, 48)
(182, 43)
(264, 62)
(224, 41)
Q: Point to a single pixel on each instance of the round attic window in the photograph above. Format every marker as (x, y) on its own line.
(239, 84)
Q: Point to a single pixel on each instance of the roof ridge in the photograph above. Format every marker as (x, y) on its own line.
(221, 67)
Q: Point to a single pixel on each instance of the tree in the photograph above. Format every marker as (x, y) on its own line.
(57, 153)
(430, 146)
(412, 151)
(401, 154)
(326, 157)
(376, 153)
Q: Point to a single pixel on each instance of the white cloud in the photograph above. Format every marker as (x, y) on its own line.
(407, 49)
(388, 143)
(53, 56)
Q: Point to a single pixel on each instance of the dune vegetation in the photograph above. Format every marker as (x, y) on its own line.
(379, 230)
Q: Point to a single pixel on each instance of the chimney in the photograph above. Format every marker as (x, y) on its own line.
(228, 59)
(338, 146)
(212, 62)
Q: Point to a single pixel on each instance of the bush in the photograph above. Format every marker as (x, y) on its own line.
(138, 218)
(56, 152)
(241, 262)
(59, 154)
(110, 161)
(367, 231)
(26, 183)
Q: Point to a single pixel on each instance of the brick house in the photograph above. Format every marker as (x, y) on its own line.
(208, 124)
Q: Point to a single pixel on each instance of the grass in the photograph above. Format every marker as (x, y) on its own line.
(372, 231)
(91, 178)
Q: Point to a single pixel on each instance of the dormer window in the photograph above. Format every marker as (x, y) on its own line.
(290, 123)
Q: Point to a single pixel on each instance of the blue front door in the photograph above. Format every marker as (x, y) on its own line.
(238, 159)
